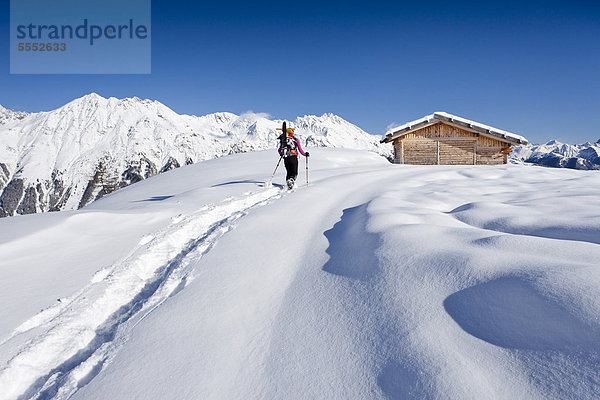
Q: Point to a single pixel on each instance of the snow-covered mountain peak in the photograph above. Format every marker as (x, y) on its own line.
(331, 117)
(7, 115)
(94, 113)
(137, 100)
(86, 103)
(328, 120)
(88, 98)
(218, 117)
(326, 117)
(332, 130)
(93, 95)
(94, 100)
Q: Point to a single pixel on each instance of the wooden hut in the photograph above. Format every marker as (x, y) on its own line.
(445, 139)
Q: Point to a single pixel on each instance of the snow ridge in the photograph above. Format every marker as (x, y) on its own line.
(77, 336)
(67, 158)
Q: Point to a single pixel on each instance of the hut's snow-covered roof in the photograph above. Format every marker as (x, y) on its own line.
(453, 119)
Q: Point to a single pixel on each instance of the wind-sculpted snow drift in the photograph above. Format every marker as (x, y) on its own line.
(376, 281)
(69, 157)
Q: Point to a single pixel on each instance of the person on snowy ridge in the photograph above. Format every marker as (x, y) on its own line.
(289, 146)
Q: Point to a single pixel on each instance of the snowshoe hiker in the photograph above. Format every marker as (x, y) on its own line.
(289, 146)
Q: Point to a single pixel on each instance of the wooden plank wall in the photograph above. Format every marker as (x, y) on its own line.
(398, 152)
(448, 145)
(456, 152)
(420, 151)
(489, 151)
(489, 156)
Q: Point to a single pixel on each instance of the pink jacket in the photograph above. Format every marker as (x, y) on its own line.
(281, 150)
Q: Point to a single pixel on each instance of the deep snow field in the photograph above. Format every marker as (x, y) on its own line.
(376, 281)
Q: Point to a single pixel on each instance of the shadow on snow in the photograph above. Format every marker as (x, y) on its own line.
(351, 247)
(260, 183)
(154, 198)
(509, 312)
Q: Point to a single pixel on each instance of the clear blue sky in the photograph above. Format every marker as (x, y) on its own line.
(532, 68)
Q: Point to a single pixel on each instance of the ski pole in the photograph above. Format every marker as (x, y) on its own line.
(306, 171)
(278, 162)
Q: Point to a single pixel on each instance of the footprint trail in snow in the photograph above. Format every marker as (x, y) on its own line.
(73, 340)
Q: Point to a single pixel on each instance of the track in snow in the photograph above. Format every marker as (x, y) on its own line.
(74, 339)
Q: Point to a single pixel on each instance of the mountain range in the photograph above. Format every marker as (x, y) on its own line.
(561, 155)
(67, 158)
